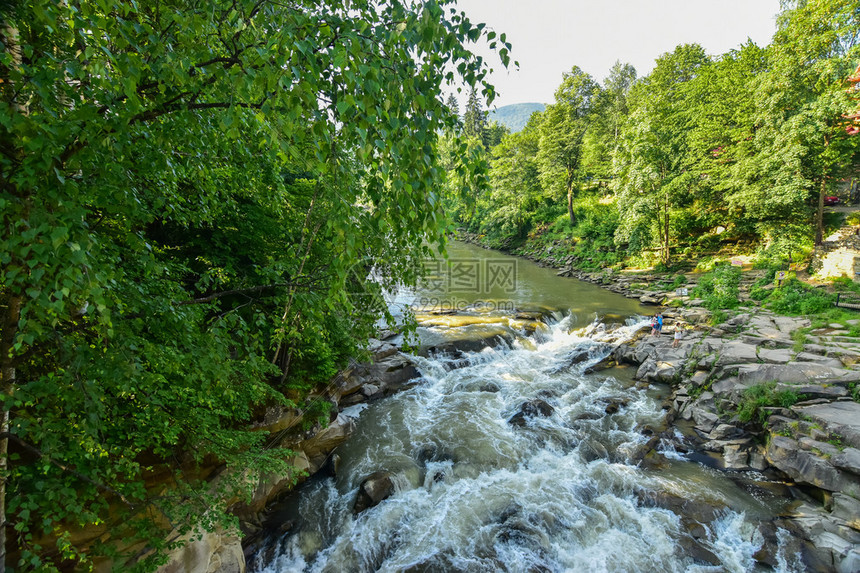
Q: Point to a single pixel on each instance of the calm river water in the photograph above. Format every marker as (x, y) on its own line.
(476, 493)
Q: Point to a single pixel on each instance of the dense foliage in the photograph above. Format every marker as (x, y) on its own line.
(192, 197)
(705, 154)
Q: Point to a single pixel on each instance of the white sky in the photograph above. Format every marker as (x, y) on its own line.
(551, 36)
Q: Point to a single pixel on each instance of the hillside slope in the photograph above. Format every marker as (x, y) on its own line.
(515, 116)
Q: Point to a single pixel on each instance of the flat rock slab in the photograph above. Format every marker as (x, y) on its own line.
(795, 373)
(814, 391)
(788, 324)
(842, 418)
(810, 357)
(848, 459)
(775, 356)
(736, 353)
(808, 467)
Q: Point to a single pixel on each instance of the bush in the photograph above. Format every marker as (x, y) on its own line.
(762, 395)
(796, 298)
(719, 289)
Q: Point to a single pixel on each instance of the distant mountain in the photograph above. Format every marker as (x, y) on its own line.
(515, 116)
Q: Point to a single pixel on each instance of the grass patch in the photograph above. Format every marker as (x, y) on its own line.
(763, 395)
(800, 339)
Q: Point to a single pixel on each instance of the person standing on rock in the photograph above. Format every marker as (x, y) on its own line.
(678, 329)
(657, 324)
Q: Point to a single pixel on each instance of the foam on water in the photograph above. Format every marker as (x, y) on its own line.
(476, 493)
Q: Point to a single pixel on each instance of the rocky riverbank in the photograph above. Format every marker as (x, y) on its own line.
(387, 372)
(752, 398)
(758, 395)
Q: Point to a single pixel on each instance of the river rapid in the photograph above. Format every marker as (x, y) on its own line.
(480, 488)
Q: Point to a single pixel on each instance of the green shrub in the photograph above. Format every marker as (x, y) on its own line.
(797, 298)
(719, 289)
(758, 293)
(763, 395)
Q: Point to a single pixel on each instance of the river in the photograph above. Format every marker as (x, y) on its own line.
(476, 491)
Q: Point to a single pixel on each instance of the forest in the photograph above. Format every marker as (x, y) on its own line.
(704, 156)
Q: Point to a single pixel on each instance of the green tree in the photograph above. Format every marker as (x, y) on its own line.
(453, 105)
(616, 87)
(562, 131)
(515, 189)
(610, 112)
(654, 164)
(474, 117)
(802, 146)
(722, 121)
(192, 197)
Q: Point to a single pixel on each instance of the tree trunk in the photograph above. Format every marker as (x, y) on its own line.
(570, 204)
(819, 215)
(666, 233)
(9, 324)
(7, 376)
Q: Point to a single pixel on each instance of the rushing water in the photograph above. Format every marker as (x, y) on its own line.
(477, 493)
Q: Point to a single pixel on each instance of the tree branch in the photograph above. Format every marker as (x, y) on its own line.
(39, 453)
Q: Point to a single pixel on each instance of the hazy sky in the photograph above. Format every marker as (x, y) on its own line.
(551, 36)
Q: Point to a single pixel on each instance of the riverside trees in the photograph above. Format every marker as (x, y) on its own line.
(192, 195)
(704, 150)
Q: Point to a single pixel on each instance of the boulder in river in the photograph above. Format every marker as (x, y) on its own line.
(531, 409)
(375, 488)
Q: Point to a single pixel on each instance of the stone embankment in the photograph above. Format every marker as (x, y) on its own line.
(810, 442)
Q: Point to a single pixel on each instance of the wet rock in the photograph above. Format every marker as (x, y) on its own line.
(432, 453)
(580, 355)
(591, 450)
(614, 404)
(490, 387)
(695, 514)
(331, 465)
(604, 364)
(328, 439)
(531, 409)
(587, 416)
(458, 348)
(373, 489)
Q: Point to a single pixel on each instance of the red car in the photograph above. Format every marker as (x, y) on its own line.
(832, 200)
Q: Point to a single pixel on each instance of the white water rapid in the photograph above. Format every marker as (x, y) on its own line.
(556, 493)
